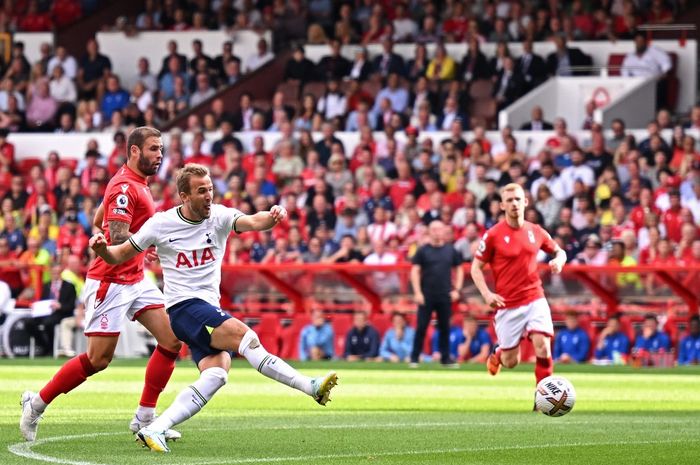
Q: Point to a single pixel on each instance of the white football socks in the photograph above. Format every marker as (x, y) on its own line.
(191, 399)
(38, 404)
(272, 366)
(145, 413)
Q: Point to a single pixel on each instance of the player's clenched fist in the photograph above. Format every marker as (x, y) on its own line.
(278, 213)
(98, 242)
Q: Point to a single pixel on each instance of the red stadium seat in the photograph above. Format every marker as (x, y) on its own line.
(268, 330)
(615, 59)
(71, 163)
(23, 166)
(342, 323)
(289, 338)
(381, 322)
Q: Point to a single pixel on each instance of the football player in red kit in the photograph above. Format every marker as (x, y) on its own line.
(511, 248)
(114, 293)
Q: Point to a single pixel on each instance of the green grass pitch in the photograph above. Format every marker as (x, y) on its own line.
(380, 414)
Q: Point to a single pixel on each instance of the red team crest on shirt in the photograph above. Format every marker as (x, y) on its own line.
(104, 322)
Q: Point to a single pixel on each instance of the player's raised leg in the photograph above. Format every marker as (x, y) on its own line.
(234, 335)
(71, 375)
(159, 368)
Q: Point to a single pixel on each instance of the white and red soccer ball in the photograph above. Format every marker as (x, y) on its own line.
(555, 396)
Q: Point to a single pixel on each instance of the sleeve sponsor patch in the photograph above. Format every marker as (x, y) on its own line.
(119, 211)
(122, 201)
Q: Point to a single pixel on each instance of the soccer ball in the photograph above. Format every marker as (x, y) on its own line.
(555, 396)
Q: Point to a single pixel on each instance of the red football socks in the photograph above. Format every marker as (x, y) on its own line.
(160, 367)
(543, 367)
(70, 376)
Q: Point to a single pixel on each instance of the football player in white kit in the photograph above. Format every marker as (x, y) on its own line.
(190, 241)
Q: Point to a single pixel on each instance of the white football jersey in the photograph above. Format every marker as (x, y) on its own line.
(190, 252)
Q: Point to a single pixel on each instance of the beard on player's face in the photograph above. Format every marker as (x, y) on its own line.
(146, 166)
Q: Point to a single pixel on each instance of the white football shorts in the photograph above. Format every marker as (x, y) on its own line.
(107, 304)
(514, 324)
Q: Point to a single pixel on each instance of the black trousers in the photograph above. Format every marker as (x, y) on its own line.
(442, 305)
(42, 328)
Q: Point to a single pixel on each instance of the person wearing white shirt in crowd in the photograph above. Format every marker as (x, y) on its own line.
(646, 60)
(333, 103)
(405, 28)
(649, 61)
(551, 180)
(141, 96)
(578, 170)
(257, 60)
(61, 87)
(69, 64)
(381, 228)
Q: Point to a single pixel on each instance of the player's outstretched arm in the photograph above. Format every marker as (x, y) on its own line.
(492, 300)
(261, 221)
(113, 254)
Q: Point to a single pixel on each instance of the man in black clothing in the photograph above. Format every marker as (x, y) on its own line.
(431, 279)
(561, 61)
(537, 123)
(62, 295)
(388, 62)
(333, 66)
(362, 341)
(94, 68)
(531, 67)
(172, 52)
(220, 61)
(299, 68)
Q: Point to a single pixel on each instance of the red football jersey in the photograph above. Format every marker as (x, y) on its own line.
(127, 199)
(512, 254)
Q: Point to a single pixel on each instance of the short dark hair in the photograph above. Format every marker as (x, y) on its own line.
(139, 135)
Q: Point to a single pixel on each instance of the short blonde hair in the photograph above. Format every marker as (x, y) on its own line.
(188, 171)
(512, 187)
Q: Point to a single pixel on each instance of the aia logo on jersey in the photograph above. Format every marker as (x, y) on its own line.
(531, 236)
(104, 322)
(193, 259)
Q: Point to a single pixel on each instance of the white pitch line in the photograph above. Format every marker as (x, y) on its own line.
(24, 449)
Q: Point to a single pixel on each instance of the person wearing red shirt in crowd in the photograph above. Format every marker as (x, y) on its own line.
(692, 258)
(40, 190)
(404, 183)
(113, 293)
(7, 150)
(72, 235)
(646, 206)
(258, 150)
(664, 257)
(511, 248)
(689, 233)
(671, 218)
(455, 27)
(118, 156)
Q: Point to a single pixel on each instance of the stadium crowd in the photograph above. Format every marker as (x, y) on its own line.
(577, 341)
(606, 199)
